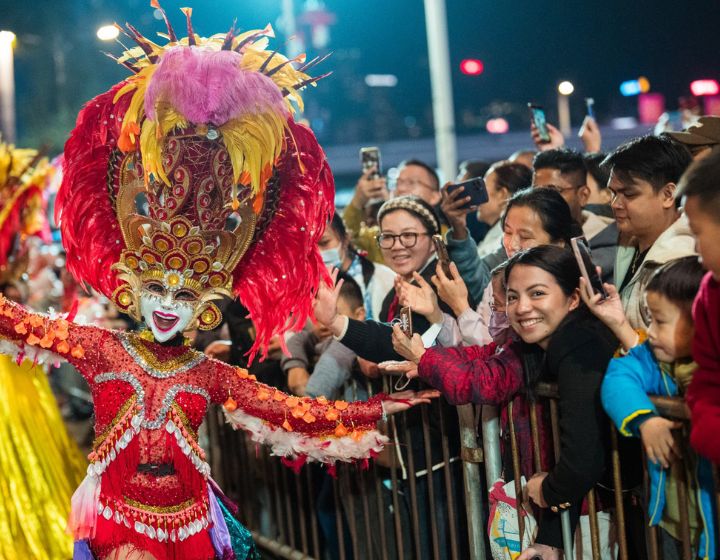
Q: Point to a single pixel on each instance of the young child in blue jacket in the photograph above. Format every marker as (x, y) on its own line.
(661, 365)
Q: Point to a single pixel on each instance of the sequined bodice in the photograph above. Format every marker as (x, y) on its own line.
(158, 379)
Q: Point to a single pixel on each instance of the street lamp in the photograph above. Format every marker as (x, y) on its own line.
(565, 89)
(7, 86)
(107, 33)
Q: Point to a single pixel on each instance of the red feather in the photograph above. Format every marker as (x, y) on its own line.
(279, 276)
(83, 207)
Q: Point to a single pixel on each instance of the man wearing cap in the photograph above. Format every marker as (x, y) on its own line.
(700, 138)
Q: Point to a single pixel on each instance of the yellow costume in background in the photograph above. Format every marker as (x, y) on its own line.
(40, 467)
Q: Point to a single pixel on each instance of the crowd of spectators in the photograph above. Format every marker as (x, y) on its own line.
(512, 311)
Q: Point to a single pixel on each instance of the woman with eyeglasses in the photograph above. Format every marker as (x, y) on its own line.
(407, 224)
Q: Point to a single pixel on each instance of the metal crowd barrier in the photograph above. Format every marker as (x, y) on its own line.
(392, 511)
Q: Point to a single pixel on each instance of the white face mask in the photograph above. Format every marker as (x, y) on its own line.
(331, 257)
(165, 315)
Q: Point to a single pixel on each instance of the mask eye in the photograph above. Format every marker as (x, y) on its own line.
(155, 287)
(185, 295)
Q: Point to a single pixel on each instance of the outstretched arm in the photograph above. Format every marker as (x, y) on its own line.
(44, 338)
(300, 427)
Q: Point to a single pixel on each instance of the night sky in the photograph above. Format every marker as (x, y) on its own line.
(527, 47)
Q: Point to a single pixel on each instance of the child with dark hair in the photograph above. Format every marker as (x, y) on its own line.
(700, 190)
(661, 365)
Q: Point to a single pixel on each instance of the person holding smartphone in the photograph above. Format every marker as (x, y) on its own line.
(415, 178)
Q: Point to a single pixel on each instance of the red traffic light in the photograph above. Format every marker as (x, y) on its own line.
(704, 87)
(472, 67)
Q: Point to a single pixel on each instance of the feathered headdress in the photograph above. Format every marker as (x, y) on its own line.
(23, 175)
(237, 193)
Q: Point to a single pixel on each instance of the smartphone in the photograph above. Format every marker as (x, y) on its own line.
(405, 321)
(587, 267)
(370, 159)
(537, 115)
(442, 254)
(475, 189)
(590, 107)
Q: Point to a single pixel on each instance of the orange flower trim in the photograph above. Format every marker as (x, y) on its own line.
(263, 394)
(56, 332)
(230, 405)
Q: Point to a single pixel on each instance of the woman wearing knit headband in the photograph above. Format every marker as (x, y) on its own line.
(407, 224)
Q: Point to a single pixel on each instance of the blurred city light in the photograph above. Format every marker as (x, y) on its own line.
(7, 86)
(635, 87)
(497, 126)
(6, 38)
(472, 67)
(565, 88)
(624, 123)
(630, 88)
(704, 87)
(107, 33)
(381, 80)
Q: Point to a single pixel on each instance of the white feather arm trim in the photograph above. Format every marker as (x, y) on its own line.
(326, 449)
(38, 355)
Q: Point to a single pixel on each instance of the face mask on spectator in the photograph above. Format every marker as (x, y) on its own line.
(499, 323)
(331, 257)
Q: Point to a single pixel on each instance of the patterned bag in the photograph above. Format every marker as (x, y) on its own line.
(503, 522)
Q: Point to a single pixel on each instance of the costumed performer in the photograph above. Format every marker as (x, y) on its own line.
(238, 195)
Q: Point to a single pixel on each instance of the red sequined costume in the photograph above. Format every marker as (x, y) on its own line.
(238, 196)
(149, 402)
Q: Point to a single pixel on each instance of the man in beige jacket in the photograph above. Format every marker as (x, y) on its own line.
(643, 178)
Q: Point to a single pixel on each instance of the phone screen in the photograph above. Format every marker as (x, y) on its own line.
(537, 114)
(586, 265)
(474, 188)
(370, 159)
(442, 254)
(590, 106)
(406, 321)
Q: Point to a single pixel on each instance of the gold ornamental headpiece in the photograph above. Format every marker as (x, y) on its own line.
(192, 163)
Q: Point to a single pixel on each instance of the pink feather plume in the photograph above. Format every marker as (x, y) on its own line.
(209, 87)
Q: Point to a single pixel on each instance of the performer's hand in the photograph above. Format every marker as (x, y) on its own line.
(325, 306)
(409, 348)
(398, 402)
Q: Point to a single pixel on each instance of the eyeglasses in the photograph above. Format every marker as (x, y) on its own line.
(413, 183)
(559, 189)
(407, 239)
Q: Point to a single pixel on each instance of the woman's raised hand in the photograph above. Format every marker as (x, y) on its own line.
(452, 290)
(421, 298)
(610, 311)
(411, 349)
